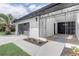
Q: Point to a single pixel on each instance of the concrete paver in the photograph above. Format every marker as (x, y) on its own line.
(49, 49)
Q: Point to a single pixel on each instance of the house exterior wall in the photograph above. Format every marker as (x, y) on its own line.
(46, 26)
(63, 17)
(34, 29)
(50, 26)
(42, 27)
(47, 23)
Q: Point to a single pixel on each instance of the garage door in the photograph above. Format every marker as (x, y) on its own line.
(24, 28)
(66, 27)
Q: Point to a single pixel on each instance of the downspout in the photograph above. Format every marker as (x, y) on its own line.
(39, 25)
(46, 27)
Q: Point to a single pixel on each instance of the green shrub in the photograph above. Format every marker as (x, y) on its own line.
(8, 33)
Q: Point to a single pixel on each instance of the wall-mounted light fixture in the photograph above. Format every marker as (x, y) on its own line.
(36, 19)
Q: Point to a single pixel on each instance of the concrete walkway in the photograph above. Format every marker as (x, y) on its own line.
(49, 49)
(10, 38)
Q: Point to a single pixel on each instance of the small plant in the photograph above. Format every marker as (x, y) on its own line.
(75, 51)
(8, 33)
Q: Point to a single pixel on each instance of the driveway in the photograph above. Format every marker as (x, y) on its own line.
(51, 48)
(10, 38)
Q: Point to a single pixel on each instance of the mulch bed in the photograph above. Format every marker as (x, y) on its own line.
(36, 41)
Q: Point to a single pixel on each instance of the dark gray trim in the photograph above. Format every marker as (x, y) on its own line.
(47, 9)
(39, 26)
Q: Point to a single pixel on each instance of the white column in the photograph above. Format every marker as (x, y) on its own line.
(16, 28)
(77, 25)
(56, 31)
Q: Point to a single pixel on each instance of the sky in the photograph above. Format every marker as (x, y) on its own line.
(18, 10)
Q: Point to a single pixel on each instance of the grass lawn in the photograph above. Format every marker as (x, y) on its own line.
(11, 49)
(3, 33)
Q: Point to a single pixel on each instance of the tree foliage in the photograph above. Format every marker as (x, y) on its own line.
(5, 23)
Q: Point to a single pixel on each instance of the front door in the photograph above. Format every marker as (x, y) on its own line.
(61, 28)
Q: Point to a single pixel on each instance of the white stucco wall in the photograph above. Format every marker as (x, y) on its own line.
(34, 28)
(77, 25)
(65, 17)
(43, 27)
(50, 26)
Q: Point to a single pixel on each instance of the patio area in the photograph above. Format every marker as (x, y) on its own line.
(57, 38)
(71, 39)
